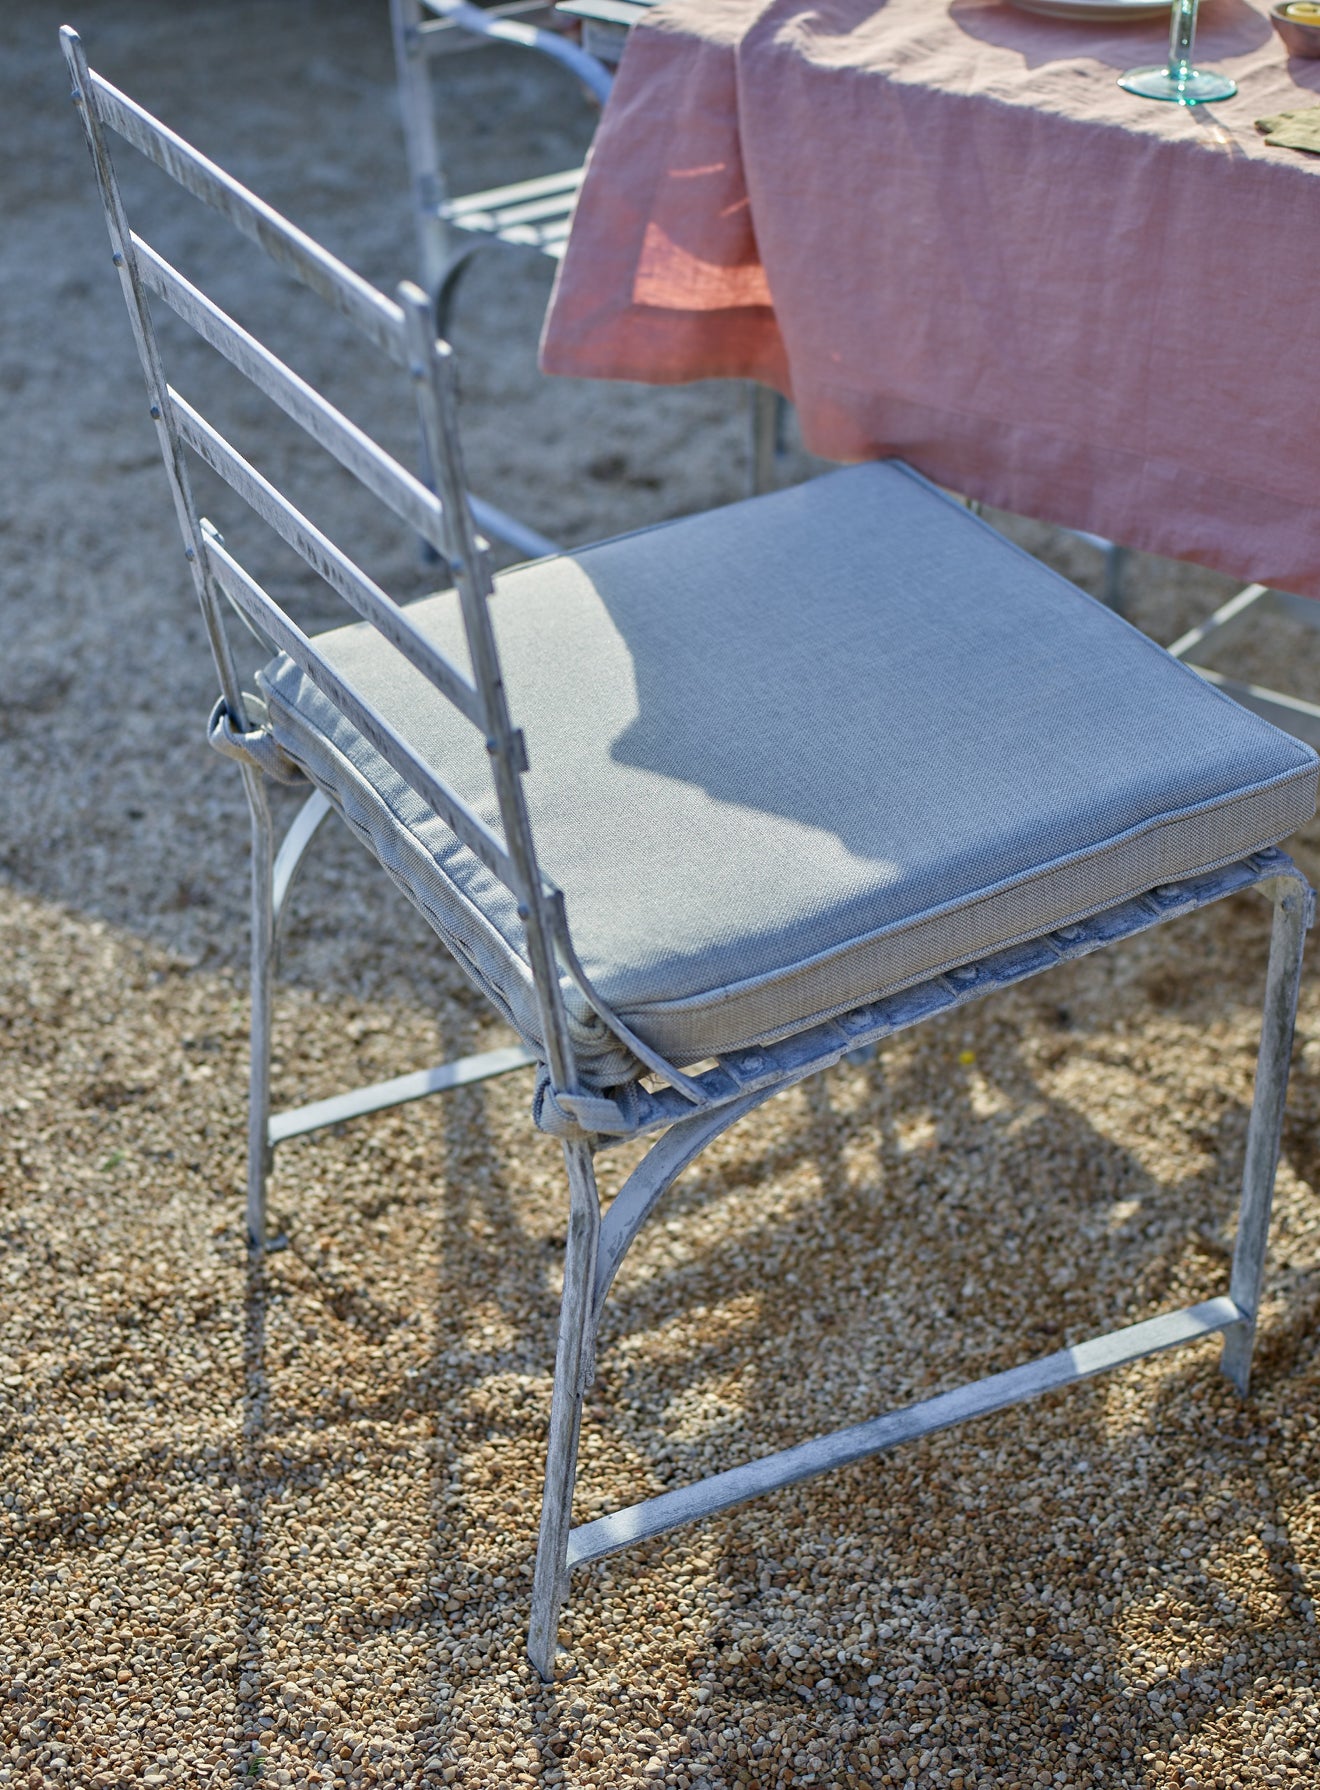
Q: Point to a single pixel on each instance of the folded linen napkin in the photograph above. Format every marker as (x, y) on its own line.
(1293, 130)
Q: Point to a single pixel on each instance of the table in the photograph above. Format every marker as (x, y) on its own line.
(946, 233)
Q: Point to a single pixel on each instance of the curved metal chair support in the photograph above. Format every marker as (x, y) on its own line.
(651, 1180)
(293, 848)
(273, 876)
(446, 294)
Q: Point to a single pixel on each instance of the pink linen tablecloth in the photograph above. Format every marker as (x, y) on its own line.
(945, 232)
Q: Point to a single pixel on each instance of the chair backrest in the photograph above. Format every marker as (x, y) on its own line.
(403, 332)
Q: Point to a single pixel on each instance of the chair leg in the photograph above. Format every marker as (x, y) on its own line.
(574, 1371)
(1291, 917)
(262, 970)
(1116, 559)
(767, 437)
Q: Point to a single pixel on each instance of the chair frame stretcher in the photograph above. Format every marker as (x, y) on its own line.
(597, 1246)
(688, 1111)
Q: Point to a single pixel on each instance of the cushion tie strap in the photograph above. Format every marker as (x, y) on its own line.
(578, 1115)
(257, 748)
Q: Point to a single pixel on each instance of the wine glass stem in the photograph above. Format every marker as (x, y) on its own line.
(1182, 30)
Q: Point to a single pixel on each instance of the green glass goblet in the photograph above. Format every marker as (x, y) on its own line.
(1178, 80)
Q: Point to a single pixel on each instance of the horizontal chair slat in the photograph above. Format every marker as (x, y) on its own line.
(298, 1121)
(686, 1504)
(544, 212)
(379, 319)
(321, 554)
(354, 449)
(564, 186)
(244, 591)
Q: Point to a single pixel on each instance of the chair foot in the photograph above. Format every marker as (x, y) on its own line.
(543, 1644)
(259, 1150)
(1235, 1358)
(256, 1230)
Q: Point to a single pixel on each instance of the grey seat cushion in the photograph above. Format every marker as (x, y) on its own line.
(796, 753)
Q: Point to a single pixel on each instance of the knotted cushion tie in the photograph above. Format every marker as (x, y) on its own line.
(257, 747)
(583, 1115)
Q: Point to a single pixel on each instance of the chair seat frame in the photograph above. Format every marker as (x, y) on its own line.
(686, 1112)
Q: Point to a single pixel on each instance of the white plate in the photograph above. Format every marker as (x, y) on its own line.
(1095, 12)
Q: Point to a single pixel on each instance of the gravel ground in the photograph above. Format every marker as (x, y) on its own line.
(282, 1530)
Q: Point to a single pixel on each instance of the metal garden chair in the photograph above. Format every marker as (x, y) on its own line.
(786, 778)
(533, 214)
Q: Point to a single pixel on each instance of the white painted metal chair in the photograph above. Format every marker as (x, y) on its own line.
(784, 779)
(532, 214)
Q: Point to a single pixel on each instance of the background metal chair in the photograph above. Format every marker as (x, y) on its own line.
(534, 214)
(779, 827)
(531, 214)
